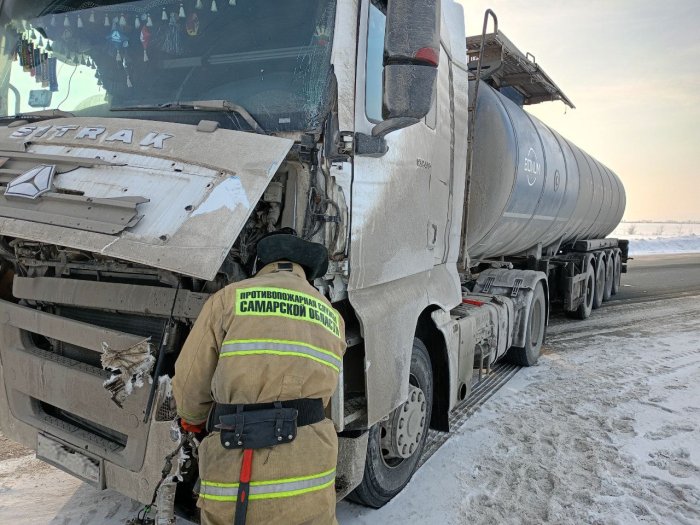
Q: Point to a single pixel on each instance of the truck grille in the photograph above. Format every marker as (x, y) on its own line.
(110, 438)
(129, 323)
(57, 382)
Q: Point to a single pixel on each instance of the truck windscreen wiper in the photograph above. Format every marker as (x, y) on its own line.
(199, 105)
(42, 114)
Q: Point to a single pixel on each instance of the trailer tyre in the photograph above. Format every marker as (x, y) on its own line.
(585, 308)
(534, 335)
(599, 285)
(617, 273)
(609, 277)
(395, 446)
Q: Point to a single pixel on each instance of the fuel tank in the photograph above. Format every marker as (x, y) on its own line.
(530, 185)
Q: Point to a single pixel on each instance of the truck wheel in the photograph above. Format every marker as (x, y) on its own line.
(599, 285)
(584, 309)
(617, 274)
(534, 335)
(609, 273)
(396, 445)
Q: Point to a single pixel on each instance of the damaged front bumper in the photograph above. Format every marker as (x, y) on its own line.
(53, 395)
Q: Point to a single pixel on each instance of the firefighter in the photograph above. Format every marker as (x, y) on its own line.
(257, 371)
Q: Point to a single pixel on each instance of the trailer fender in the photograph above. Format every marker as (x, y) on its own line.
(599, 259)
(519, 286)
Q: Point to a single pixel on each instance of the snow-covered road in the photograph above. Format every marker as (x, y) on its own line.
(606, 429)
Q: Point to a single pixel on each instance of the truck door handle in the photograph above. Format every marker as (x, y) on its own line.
(432, 235)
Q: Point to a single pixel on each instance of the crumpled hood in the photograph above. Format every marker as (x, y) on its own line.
(156, 193)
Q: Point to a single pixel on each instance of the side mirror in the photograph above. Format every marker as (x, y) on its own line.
(411, 57)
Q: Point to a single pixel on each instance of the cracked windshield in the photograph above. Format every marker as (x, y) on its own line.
(141, 59)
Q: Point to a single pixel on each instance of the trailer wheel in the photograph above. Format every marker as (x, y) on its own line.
(584, 309)
(609, 277)
(599, 285)
(534, 335)
(617, 274)
(396, 445)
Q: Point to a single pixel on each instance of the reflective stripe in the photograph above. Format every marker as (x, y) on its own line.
(276, 488)
(235, 347)
(268, 301)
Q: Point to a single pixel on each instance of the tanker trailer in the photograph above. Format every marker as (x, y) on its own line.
(537, 201)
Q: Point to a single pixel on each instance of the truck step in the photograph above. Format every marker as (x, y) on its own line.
(500, 374)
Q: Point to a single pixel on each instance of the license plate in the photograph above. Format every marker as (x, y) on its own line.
(71, 459)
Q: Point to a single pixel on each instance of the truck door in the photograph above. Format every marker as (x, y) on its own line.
(439, 121)
(400, 199)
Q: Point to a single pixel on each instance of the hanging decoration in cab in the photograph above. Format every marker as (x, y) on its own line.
(172, 44)
(193, 24)
(117, 40)
(145, 41)
(64, 37)
(37, 63)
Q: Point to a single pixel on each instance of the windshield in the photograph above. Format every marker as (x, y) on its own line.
(89, 58)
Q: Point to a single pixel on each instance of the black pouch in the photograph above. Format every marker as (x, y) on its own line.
(258, 428)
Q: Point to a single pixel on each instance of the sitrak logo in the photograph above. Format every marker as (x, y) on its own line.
(33, 183)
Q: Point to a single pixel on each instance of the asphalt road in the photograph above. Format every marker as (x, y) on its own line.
(651, 277)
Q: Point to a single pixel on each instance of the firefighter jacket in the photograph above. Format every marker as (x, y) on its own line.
(270, 338)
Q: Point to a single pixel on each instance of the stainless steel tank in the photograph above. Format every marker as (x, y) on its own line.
(530, 185)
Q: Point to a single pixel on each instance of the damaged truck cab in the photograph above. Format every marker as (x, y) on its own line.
(148, 145)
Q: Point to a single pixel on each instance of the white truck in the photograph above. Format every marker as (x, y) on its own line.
(147, 145)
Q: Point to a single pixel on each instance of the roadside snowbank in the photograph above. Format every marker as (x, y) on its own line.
(648, 238)
(649, 246)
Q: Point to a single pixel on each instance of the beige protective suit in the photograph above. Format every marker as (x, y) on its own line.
(270, 338)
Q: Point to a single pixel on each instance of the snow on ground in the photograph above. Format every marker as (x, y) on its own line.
(605, 430)
(35, 493)
(682, 244)
(648, 238)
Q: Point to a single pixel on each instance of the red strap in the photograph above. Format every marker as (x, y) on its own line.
(247, 466)
(473, 302)
(244, 487)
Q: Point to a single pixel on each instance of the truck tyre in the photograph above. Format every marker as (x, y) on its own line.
(609, 273)
(534, 334)
(395, 445)
(617, 273)
(584, 309)
(599, 284)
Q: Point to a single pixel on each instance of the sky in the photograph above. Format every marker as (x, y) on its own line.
(632, 69)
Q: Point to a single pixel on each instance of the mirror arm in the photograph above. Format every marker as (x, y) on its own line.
(382, 129)
(375, 145)
(369, 145)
